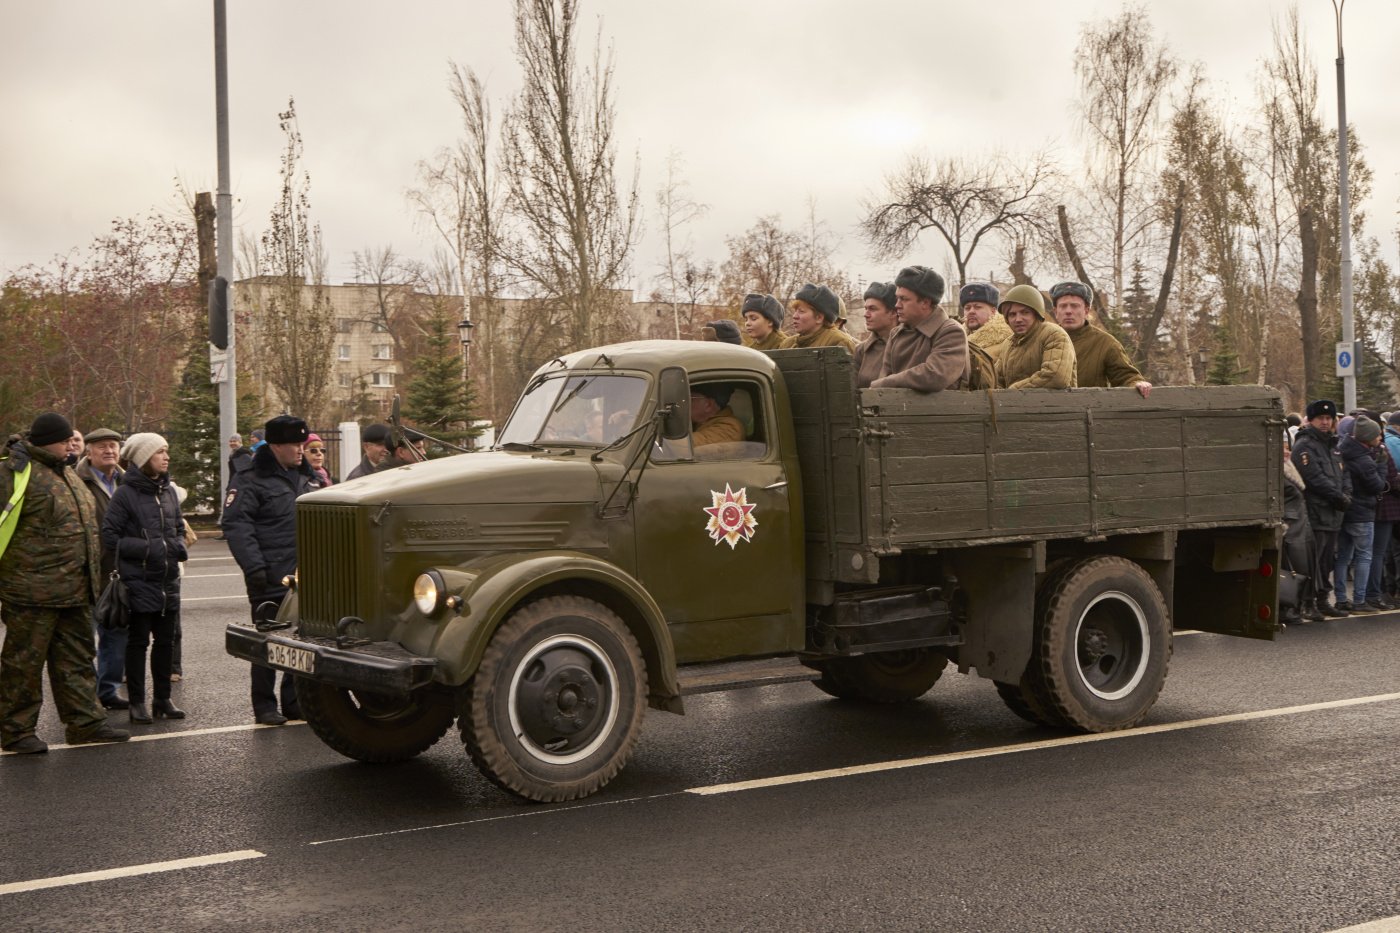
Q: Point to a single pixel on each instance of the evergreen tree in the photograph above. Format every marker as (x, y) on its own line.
(439, 400)
(1373, 389)
(195, 445)
(1225, 368)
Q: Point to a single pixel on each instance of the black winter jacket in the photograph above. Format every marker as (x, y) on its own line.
(1329, 485)
(260, 521)
(144, 529)
(1367, 478)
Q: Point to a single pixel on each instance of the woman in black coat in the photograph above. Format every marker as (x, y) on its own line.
(144, 528)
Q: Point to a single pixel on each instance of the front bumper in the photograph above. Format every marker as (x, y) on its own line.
(378, 667)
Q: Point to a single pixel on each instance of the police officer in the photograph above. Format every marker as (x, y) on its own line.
(259, 523)
(50, 573)
(1328, 496)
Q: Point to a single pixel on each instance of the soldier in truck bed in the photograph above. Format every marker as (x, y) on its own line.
(1100, 359)
(928, 351)
(815, 311)
(880, 321)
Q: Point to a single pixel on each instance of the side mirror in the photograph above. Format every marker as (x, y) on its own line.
(674, 403)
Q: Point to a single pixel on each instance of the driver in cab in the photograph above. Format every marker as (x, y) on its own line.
(711, 420)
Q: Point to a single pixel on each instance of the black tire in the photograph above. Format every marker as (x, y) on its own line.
(371, 726)
(556, 704)
(882, 677)
(1103, 645)
(1022, 700)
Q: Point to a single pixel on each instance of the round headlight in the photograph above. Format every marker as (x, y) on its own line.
(428, 591)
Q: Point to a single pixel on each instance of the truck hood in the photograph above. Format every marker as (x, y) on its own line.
(488, 477)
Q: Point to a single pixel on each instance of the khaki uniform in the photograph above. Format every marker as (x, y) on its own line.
(927, 358)
(1103, 363)
(49, 578)
(774, 341)
(828, 336)
(723, 428)
(993, 336)
(1041, 358)
(870, 359)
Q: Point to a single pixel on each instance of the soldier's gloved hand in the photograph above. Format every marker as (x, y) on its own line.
(257, 583)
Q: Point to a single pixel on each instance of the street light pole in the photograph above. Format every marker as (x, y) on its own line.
(464, 334)
(1348, 321)
(223, 244)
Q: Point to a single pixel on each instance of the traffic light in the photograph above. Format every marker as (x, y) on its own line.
(218, 312)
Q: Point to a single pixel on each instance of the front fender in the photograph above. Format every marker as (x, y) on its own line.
(492, 587)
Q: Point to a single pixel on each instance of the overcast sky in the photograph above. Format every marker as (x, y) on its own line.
(770, 102)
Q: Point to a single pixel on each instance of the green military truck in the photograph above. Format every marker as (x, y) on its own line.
(542, 595)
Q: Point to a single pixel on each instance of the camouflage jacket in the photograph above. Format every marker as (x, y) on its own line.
(54, 559)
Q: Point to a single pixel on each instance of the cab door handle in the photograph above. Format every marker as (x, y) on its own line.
(778, 485)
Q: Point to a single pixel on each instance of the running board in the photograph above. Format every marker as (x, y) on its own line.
(737, 675)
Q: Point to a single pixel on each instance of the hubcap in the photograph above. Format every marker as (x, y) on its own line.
(1112, 645)
(563, 699)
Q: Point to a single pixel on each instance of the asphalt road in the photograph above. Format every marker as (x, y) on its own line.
(1263, 795)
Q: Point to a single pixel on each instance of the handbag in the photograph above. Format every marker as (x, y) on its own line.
(113, 610)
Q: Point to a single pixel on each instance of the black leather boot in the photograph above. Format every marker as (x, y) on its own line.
(164, 709)
(138, 712)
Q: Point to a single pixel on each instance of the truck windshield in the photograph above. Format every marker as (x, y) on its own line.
(583, 409)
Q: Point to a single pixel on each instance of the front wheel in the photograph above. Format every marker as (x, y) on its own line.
(1103, 643)
(372, 726)
(882, 676)
(556, 704)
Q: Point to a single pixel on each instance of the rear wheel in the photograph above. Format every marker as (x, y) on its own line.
(374, 726)
(556, 704)
(883, 676)
(1103, 644)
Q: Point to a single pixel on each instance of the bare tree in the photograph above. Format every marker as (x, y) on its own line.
(576, 227)
(293, 318)
(1123, 73)
(764, 258)
(964, 201)
(675, 209)
(460, 195)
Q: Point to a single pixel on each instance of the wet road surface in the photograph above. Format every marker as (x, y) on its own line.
(1264, 795)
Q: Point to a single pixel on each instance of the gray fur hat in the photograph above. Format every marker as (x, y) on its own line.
(821, 298)
(922, 281)
(766, 305)
(882, 292)
(724, 330)
(984, 292)
(1078, 289)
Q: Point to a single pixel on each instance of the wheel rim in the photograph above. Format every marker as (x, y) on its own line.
(1112, 645)
(380, 707)
(563, 699)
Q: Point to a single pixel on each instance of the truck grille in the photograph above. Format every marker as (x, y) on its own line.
(327, 544)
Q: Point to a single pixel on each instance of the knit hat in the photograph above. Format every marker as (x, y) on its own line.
(724, 331)
(984, 292)
(49, 428)
(1323, 406)
(766, 305)
(882, 292)
(1346, 425)
(821, 298)
(103, 434)
(1078, 289)
(1394, 418)
(140, 448)
(922, 281)
(1365, 430)
(1027, 295)
(286, 429)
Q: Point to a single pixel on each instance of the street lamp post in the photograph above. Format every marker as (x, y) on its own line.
(1348, 321)
(464, 334)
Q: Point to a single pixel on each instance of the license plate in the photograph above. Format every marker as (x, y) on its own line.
(293, 659)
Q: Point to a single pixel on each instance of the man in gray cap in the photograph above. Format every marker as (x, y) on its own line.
(880, 321)
(986, 328)
(101, 474)
(1100, 359)
(374, 448)
(763, 322)
(928, 352)
(50, 576)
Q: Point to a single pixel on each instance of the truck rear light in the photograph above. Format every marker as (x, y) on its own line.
(1266, 569)
(1265, 613)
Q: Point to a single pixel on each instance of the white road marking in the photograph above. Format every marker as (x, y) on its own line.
(205, 599)
(128, 871)
(161, 736)
(1384, 925)
(209, 576)
(878, 766)
(194, 559)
